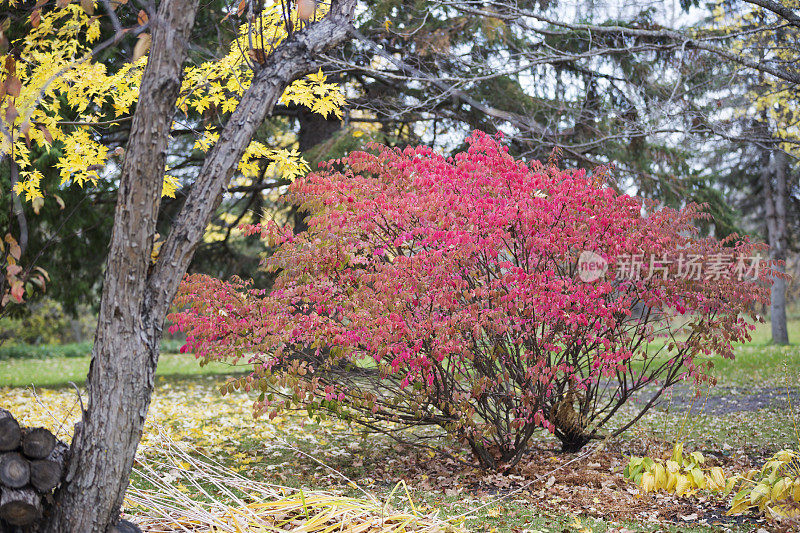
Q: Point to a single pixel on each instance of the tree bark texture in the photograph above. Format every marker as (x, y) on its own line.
(125, 349)
(136, 299)
(777, 235)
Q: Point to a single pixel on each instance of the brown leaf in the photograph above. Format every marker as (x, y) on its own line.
(142, 46)
(11, 114)
(61, 4)
(306, 9)
(25, 130)
(143, 18)
(241, 8)
(13, 86)
(14, 250)
(61, 204)
(36, 17)
(46, 133)
(257, 55)
(11, 65)
(88, 7)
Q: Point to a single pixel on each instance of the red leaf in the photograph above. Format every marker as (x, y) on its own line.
(18, 291)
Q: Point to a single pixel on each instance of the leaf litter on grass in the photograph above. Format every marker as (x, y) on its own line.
(180, 484)
(193, 413)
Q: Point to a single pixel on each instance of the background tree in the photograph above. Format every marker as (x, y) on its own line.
(661, 93)
(646, 86)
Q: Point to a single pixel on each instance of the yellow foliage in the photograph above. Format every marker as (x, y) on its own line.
(775, 98)
(57, 77)
(774, 490)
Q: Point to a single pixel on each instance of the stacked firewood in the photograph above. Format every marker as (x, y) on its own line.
(32, 462)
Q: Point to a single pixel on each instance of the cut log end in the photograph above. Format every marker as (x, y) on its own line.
(10, 433)
(20, 507)
(45, 475)
(14, 470)
(37, 443)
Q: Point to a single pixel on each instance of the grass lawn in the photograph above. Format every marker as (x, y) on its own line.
(60, 371)
(327, 454)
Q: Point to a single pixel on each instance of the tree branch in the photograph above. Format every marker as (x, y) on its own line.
(297, 55)
(782, 11)
(664, 33)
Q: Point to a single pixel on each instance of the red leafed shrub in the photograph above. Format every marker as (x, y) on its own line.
(448, 291)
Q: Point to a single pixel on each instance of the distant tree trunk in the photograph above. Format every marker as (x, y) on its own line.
(314, 130)
(777, 234)
(136, 297)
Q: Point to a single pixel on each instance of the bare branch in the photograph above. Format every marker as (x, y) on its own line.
(782, 11)
(297, 55)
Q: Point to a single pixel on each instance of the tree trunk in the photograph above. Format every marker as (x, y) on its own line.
(314, 130)
(135, 298)
(777, 235)
(125, 351)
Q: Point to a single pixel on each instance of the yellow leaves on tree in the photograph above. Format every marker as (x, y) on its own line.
(55, 76)
(774, 99)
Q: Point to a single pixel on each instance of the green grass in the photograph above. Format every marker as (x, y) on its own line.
(11, 350)
(60, 371)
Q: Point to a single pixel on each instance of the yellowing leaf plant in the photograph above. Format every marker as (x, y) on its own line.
(773, 490)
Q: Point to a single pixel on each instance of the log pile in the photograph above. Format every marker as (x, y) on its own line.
(32, 462)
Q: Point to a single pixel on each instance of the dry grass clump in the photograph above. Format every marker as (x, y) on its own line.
(177, 488)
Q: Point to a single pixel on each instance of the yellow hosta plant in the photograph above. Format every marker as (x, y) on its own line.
(682, 474)
(774, 490)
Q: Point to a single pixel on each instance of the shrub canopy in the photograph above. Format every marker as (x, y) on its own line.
(449, 291)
